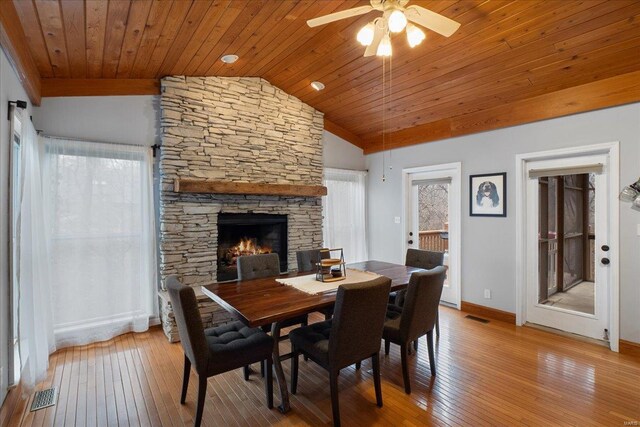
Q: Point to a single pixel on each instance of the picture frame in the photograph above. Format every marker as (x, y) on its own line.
(488, 194)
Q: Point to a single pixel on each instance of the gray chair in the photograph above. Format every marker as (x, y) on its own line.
(307, 260)
(258, 266)
(352, 335)
(215, 350)
(417, 317)
(420, 258)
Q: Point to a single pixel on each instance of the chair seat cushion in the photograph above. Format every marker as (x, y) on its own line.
(234, 344)
(313, 340)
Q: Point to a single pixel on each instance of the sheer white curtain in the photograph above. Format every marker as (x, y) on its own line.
(35, 325)
(99, 201)
(344, 217)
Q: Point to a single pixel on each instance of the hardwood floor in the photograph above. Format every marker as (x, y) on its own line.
(488, 374)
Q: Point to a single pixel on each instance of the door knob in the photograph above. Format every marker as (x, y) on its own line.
(605, 248)
(411, 233)
(605, 261)
(410, 242)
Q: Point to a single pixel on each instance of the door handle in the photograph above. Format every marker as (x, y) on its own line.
(605, 261)
(410, 242)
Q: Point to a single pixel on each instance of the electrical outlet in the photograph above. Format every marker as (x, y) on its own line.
(396, 219)
(487, 293)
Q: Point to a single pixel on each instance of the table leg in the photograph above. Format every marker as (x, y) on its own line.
(277, 365)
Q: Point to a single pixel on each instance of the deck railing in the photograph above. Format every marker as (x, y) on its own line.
(431, 240)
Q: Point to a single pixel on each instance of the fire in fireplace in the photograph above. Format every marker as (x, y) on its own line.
(249, 234)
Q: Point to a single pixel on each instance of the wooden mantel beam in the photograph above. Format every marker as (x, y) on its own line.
(186, 185)
(618, 90)
(15, 45)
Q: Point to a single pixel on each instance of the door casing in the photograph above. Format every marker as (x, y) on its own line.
(611, 149)
(452, 171)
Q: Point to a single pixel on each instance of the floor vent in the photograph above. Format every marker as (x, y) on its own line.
(477, 319)
(44, 399)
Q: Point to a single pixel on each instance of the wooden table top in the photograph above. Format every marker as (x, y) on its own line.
(261, 302)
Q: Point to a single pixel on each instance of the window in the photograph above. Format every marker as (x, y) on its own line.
(102, 244)
(344, 219)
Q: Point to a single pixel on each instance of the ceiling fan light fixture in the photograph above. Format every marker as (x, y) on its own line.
(384, 48)
(415, 35)
(365, 35)
(397, 21)
(317, 85)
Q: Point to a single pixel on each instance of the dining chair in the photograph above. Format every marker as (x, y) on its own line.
(416, 318)
(353, 334)
(307, 260)
(427, 260)
(259, 267)
(215, 350)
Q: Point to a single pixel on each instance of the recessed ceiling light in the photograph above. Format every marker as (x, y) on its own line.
(229, 59)
(317, 85)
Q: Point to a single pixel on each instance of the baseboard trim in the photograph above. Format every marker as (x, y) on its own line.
(488, 312)
(629, 348)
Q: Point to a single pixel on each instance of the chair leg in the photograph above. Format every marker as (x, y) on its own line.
(202, 393)
(335, 405)
(405, 368)
(294, 371)
(185, 379)
(375, 361)
(387, 347)
(438, 323)
(432, 360)
(269, 381)
(262, 369)
(358, 364)
(245, 370)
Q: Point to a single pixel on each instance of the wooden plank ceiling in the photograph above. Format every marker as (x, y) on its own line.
(505, 53)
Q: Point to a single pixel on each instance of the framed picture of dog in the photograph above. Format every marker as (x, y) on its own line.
(488, 194)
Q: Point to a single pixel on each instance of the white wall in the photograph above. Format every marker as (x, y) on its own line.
(116, 119)
(488, 244)
(10, 90)
(341, 154)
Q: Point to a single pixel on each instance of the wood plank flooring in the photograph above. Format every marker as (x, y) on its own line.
(488, 374)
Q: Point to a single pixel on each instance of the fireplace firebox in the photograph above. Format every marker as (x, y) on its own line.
(249, 234)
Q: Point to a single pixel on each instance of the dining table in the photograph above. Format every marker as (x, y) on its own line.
(265, 301)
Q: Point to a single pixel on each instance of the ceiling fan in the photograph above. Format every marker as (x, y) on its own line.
(396, 16)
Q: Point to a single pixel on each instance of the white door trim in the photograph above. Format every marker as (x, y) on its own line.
(446, 170)
(613, 151)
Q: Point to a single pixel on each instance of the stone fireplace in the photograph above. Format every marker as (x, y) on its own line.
(249, 234)
(233, 130)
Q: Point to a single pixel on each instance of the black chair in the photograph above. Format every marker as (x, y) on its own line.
(258, 267)
(215, 350)
(352, 335)
(307, 260)
(416, 318)
(427, 260)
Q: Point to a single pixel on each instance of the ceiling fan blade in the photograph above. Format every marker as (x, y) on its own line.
(356, 11)
(431, 20)
(378, 33)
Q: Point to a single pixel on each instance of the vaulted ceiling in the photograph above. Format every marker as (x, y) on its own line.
(510, 61)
